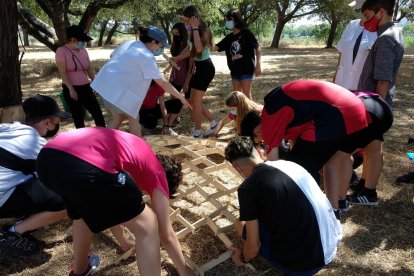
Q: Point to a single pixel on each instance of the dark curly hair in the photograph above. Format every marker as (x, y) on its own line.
(249, 122)
(239, 147)
(173, 172)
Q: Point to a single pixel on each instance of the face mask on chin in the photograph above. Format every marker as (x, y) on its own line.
(158, 52)
(372, 24)
(51, 133)
(188, 28)
(233, 112)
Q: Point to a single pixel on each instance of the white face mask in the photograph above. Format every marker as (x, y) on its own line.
(229, 24)
(233, 112)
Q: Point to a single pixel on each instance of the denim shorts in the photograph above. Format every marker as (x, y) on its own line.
(242, 77)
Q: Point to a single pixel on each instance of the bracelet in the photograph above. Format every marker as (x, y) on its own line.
(194, 29)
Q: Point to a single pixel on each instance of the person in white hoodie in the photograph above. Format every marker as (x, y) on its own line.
(21, 193)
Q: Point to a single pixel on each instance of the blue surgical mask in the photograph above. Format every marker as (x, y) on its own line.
(158, 52)
(80, 45)
(229, 24)
(233, 112)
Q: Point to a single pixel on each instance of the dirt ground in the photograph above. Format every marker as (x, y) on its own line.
(376, 241)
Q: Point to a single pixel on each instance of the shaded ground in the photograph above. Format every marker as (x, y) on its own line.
(377, 241)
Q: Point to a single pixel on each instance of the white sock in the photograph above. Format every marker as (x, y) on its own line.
(12, 229)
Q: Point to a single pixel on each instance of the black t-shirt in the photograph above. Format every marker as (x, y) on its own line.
(273, 198)
(240, 51)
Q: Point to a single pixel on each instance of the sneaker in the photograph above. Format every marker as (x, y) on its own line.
(213, 125)
(171, 132)
(94, 262)
(196, 133)
(406, 178)
(343, 205)
(16, 244)
(364, 197)
(357, 186)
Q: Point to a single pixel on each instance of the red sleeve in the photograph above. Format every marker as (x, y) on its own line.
(274, 126)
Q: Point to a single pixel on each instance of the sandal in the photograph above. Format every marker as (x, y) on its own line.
(19, 245)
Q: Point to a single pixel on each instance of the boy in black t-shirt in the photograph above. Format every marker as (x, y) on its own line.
(284, 216)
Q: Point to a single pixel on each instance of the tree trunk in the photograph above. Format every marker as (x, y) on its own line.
(111, 33)
(332, 31)
(278, 34)
(10, 90)
(102, 31)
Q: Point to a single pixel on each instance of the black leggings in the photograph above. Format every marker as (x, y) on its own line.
(149, 118)
(87, 99)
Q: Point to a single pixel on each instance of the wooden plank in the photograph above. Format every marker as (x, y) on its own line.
(214, 262)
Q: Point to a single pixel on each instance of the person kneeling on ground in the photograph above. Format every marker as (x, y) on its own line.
(284, 216)
(22, 195)
(100, 181)
(154, 107)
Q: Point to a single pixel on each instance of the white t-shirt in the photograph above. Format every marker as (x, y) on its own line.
(348, 73)
(124, 80)
(23, 141)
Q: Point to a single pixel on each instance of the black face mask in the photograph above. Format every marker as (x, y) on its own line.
(51, 133)
(176, 38)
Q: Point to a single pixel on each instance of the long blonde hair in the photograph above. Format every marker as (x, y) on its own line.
(243, 105)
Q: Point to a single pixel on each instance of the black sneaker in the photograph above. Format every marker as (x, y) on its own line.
(364, 197)
(357, 186)
(16, 244)
(406, 178)
(343, 205)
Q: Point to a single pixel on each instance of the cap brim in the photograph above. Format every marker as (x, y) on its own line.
(166, 45)
(63, 115)
(85, 38)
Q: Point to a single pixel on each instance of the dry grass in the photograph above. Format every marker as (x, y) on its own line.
(377, 241)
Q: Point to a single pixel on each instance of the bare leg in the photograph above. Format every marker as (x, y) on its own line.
(147, 242)
(116, 119)
(247, 88)
(82, 240)
(39, 220)
(335, 175)
(120, 236)
(197, 104)
(373, 164)
(134, 126)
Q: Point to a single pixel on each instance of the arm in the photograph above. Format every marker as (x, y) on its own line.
(220, 125)
(61, 65)
(167, 86)
(164, 115)
(189, 74)
(90, 71)
(258, 68)
(169, 240)
(382, 88)
(195, 23)
(252, 244)
(183, 55)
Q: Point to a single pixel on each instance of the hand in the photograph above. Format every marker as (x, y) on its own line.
(185, 87)
(237, 256)
(186, 104)
(174, 59)
(73, 94)
(258, 70)
(195, 22)
(165, 130)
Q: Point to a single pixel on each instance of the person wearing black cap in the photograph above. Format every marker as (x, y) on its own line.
(74, 67)
(124, 80)
(21, 194)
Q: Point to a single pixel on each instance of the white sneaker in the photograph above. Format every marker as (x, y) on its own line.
(171, 132)
(213, 125)
(196, 133)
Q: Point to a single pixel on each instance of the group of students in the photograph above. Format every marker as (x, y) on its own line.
(124, 81)
(284, 215)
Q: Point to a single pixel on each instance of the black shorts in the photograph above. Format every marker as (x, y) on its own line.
(101, 199)
(313, 155)
(382, 119)
(31, 197)
(149, 117)
(204, 74)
